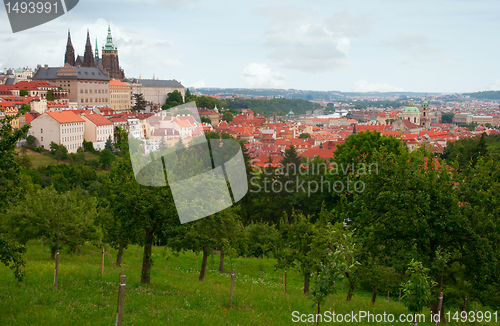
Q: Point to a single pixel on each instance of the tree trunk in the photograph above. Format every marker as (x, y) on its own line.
(306, 282)
(53, 253)
(317, 319)
(374, 296)
(203, 264)
(221, 263)
(351, 288)
(146, 260)
(120, 253)
(434, 305)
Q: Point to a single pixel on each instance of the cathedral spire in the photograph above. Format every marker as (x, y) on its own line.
(70, 52)
(88, 59)
(96, 50)
(109, 46)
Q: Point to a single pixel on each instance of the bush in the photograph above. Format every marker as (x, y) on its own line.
(93, 163)
(31, 140)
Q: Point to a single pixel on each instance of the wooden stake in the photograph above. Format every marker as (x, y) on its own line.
(231, 293)
(440, 306)
(56, 272)
(102, 262)
(245, 259)
(121, 300)
(465, 304)
(166, 263)
(284, 283)
(387, 296)
(333, 295)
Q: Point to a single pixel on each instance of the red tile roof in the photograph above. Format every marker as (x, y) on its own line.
(98, 119)
(65, 117)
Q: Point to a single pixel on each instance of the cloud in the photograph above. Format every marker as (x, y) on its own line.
(350, 25)
(309, 48)
(495, 86)
(297, 39)
(172, 4)
(198, 84)
(364, 86)
(285, 14)
(260, 75)
(416, 47)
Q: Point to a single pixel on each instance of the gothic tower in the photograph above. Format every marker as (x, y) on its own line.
(70, 52)
(88, 58)
(110, 62)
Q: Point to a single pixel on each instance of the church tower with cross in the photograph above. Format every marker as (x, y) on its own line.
(108, 62)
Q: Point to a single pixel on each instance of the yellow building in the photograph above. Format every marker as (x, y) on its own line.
(120, 95)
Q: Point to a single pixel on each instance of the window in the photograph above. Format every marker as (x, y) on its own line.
(41, 138)
(41, 131)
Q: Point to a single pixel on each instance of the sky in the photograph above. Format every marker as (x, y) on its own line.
(326, 45)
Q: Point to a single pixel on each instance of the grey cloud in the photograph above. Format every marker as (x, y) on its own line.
(307, 48)
(416, 47)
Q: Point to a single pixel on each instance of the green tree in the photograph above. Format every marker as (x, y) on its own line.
(207, 102)
(9, 169)
(297, 234)
(188, 97)
(447, 117)
(410, 209)
(205, 120)
(332, 256)
(50, 96)
(140, 102)
(209, 233)
(173, 99)
(109, 145)
(65, 219)
(11, 255)
(23, 92)
(305, 135)
(31, 140)
(227, 116)
(361, 148)
(88, 146)
(106, 158)
(417, 290)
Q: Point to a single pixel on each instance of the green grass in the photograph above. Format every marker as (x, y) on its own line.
(175, 296)
(38, 159)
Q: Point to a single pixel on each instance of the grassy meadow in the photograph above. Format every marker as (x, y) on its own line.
(174, 297)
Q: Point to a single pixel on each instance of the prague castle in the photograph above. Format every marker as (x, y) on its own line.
(108, 63)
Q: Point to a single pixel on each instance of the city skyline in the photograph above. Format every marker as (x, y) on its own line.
(384, 45)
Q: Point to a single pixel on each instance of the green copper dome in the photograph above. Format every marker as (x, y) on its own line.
(109, 46)
(411, 108)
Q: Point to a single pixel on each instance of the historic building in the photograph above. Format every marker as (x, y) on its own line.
(423, 117)
(155, 91)
(120, 95)
(85, 86)
(411, 113)
(108, 63)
